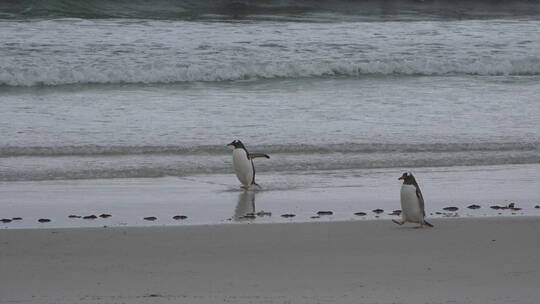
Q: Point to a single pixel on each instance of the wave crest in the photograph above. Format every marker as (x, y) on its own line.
(51, 75)
(355, 148)
(71, 162)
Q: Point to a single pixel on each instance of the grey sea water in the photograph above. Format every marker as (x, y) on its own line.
(114, 89)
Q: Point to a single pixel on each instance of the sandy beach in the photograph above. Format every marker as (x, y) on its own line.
(481, 260)
(117, 185)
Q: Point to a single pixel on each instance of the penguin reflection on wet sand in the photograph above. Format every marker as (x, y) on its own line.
(243, 164)
(412, 202)
(245, 205)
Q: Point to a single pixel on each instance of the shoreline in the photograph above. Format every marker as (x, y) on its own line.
(217, 199)
(334, 262)
(290, 222)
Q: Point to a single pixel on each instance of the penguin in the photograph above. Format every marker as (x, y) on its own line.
(412, 202)
(243, 163)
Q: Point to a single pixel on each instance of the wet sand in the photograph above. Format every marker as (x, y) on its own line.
(481, 260)
(218, 199)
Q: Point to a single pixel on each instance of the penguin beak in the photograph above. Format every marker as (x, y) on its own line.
(401, 177)
(230, 145)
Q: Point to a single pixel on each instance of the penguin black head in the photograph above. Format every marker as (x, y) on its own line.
(236, 144)
(408, 178)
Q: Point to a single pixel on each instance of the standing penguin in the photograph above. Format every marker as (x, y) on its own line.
(412, 202)
(243, 163)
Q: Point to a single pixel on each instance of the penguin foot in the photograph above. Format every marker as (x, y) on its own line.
(399, 222)
(253, 187)
(424, 224)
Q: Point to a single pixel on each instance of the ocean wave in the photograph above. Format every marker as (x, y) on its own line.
(151, 166)
(189, 9)
(302, 149)
(97, 162)
(52, 75)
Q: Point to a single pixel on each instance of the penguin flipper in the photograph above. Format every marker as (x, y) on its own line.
(420, 200)
(428, 224)
(256, 155)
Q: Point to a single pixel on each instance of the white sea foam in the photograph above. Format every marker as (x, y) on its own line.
(143, 51)
(57, 74)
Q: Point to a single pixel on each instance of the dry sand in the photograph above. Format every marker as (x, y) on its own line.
(490, 260)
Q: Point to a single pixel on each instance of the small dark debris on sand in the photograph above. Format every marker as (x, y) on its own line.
(16, 219)
(438, 212)
(360, 213)
(179, 217)
(473, 206)
(288, 215)
(74, 216)
(395, 212)
(44, 220)
(315, 217)
(451, 208)
(5, 220)
(104, 215)
(511, 206)
(537, 206)
(378, 211)
(150, 218)
(90, 217)
(325, 213)
(264, 213)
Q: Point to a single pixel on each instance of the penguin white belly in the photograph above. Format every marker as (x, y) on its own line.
(410, 206)
(243, 167)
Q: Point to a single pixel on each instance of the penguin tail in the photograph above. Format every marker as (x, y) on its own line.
(428, 224)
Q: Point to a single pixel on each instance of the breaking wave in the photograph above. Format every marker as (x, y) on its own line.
(303, 149)
(72, 162)
(170, 73)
